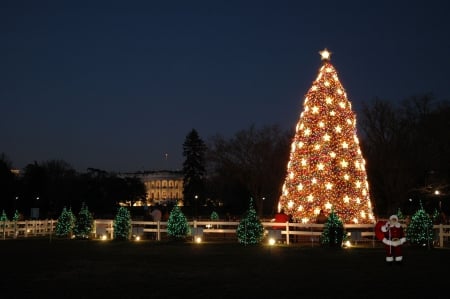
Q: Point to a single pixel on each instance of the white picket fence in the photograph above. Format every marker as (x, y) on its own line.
(29, 228)
(289, 232)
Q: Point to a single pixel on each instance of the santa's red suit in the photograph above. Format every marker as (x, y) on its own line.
(394, 237)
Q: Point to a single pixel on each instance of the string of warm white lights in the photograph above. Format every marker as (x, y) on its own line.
(326, 168)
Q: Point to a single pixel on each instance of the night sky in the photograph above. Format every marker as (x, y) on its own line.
(117, 85)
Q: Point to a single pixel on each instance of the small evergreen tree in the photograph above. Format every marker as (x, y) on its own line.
(16, 216)
(65, 223)
(420, 229)
(333, 232)
(435, 217)
(3, 220)
(122, 224)
(250, 230)
(15, 219)
(84, 223)
(177, 225)
(214, 216)
(3, 217)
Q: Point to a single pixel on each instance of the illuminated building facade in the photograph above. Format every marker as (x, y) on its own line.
(162, 187)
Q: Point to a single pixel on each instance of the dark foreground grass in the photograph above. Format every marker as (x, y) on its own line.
(38, 268)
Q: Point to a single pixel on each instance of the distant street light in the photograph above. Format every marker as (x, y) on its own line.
(195, 203)
(35, 210)
(15, 202)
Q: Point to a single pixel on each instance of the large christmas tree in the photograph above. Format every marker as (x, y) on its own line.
(326, 169)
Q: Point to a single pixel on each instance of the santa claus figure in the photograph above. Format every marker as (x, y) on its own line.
(394, 237)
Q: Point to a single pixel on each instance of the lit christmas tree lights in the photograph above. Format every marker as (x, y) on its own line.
(326, 168)
(15, 219)
(214, 216)
(333, 233)
(16, 216)
(250, 230)
(65, 223)
(3, 219)
(122, 224)
(420, 229)
(177, 225)
(84, 223)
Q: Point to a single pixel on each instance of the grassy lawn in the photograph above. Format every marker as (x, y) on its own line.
(38, 268)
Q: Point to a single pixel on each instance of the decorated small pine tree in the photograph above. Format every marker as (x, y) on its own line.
(15, 219)
(250, 230)
(333, 232)
(65, 223)
(73, 217)
(177, 225)
(3, 217)
(214, 216)
(16, 216)
(400, 214)
(420, 229)
(435, 217)
(83, 223)
(122, 224)
(3, 220)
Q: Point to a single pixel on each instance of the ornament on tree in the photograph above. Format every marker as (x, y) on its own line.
(326, 168)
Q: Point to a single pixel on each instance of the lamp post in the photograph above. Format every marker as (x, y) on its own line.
(16, 200)
(35, 210)
(196, 203)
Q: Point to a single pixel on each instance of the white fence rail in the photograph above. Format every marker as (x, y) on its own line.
(29, 228)
(290, 232)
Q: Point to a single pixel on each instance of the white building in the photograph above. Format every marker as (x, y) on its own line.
(162, 186)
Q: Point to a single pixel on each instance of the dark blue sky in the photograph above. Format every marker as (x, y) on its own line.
(116, 85)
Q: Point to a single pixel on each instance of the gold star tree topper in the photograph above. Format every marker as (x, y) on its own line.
(325, 54)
